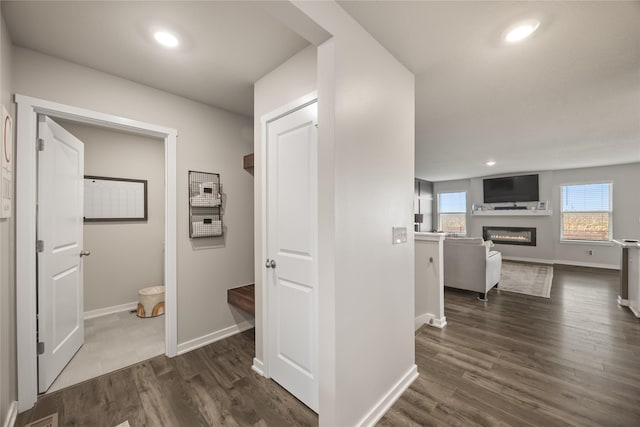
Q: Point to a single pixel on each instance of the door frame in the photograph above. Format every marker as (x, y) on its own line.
(28, 109)
(262, 366)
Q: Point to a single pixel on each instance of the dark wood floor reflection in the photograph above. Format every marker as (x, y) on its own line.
(517, 360)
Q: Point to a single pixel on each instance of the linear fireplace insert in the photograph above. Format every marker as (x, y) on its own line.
(525, 236)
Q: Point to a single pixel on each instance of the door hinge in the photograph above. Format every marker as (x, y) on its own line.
(40, 245)
(40, 348)
(40, 144)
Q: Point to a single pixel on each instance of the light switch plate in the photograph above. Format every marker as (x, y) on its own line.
(399, 235)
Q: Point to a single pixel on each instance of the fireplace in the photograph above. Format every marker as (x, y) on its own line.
(525, 236)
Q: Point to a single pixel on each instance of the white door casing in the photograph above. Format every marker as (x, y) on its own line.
(292, 240)
(60, 222)
(27, 112)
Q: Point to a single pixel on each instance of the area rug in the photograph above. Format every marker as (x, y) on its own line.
(48, 421)
(529, 279)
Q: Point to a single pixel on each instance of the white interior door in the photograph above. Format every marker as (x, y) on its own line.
(292, 236)
(59, 231)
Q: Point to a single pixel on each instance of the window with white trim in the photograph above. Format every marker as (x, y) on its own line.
(452, 212)
(586, 212)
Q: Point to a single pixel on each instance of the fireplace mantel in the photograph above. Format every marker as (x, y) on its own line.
(514, 212)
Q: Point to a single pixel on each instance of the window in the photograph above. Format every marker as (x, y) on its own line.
(586, 212)
(452, 212)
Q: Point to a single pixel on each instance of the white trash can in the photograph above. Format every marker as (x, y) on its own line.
(151, 301)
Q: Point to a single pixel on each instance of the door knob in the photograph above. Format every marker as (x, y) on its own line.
(84, 253)
(270, 263)
(267, 264)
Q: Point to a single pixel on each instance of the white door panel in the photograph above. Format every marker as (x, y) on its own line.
(292, 236)
(64, 289)
(293, 180)
(60, 284)
(298, 268)
(296, 325)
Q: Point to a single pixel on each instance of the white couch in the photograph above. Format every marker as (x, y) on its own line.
(469, 263)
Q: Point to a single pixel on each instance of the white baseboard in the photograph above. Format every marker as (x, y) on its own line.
(439, 323)
(634, 310)
(524, 259)
(110, 310)
(258, 367)
(195, 343)
(587, 264)
(389, 398)
(623, 302)
(12, 413)
(431, 320)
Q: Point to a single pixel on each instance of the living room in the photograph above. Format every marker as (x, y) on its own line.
(550, 247)
(561, 105)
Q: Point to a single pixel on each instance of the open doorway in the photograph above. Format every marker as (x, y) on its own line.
(126, 256)
(26, 185)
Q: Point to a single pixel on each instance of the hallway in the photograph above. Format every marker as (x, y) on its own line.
(516, 360)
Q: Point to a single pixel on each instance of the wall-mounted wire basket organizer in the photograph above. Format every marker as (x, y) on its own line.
(205, 205)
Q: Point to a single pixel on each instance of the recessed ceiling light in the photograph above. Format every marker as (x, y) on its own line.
(166, 39)
(521, 30)
(491, 163)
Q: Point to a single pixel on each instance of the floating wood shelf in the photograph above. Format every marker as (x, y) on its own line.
(513, 212)
(243, 297)
(247, 161)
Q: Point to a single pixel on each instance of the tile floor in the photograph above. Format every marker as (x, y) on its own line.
(112, 342)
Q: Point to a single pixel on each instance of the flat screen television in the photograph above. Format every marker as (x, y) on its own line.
(523, 188)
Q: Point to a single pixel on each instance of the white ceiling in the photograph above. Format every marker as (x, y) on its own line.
(227, 46)
(567, 97)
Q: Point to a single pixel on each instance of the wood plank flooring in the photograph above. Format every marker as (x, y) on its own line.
(517, 360)
(210, 386)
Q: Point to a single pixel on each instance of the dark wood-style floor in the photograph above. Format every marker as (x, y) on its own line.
(520, 360)
(211, 386)
(516, 360)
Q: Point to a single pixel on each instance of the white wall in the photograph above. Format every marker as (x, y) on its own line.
(209, 139)
(8, 387)
(626, 215)
(125, 256)
(366, 284)
(290, 81)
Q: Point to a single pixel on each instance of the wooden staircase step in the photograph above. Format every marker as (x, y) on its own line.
(243, 297)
